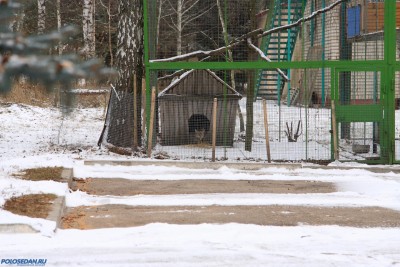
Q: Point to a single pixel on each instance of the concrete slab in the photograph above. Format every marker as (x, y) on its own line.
(57, 210)
(55, 214)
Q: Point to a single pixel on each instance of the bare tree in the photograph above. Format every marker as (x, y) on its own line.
(255, 34)
(252, 56)
(178, 16)
(230, 58)
(89, 41)
(129, 62)
(16, 23)
(27, 56)
(58, 7)
(41, 16)
(109, 29)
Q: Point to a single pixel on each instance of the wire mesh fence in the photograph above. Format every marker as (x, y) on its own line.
(299, 131)
(234, 79)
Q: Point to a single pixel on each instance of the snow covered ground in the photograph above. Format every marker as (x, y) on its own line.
(33, 137)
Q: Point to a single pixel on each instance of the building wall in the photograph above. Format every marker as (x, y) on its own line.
(371, 49)
(311, 34)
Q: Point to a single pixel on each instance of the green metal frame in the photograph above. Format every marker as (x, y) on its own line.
(356, 113)
(387, 66)
(389, 75)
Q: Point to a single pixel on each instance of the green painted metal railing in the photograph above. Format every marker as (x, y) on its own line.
(294, 10)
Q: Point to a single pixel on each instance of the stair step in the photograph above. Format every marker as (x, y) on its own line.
(268, 92)
(277, 45)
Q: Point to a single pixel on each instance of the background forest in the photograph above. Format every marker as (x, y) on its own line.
(177, 20)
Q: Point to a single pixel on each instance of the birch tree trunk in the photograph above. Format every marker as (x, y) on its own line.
(129, 62)
(58, 6)
(89, 44)
(109, 34)
(16, 24)
(230, 58)
(179, 15)
(160, 6)
(41, 16)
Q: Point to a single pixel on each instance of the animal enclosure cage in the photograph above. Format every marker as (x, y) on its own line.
(186, 108)
(318, 79)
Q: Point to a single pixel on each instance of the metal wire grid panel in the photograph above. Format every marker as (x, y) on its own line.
(185, 122)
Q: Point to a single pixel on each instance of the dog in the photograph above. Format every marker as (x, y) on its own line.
(199, 135)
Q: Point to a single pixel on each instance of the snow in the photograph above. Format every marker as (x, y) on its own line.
(212, 245)
(37, 137)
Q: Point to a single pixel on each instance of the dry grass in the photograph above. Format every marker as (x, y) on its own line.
(25, 93)
(42, 174)
(37, 95)
(35, 206)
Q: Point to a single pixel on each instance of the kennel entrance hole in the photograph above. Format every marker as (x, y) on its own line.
(198, 122)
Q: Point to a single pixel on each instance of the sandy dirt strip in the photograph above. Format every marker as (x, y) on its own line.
(127, 216)
(124, 187)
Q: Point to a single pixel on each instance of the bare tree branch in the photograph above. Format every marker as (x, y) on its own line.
(176, 73)
(256, 34)
(263, 56)
(191, 6)
(190, 19)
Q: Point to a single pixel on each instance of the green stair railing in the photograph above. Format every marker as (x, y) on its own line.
(278, 47)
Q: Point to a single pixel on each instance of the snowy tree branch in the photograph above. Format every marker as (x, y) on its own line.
(264, 57)
(176, 73)
(256, 34)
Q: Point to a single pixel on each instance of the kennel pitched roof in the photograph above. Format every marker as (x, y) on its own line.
(199, 83)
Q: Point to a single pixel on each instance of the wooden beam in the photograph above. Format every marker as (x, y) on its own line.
(151, 126)
(214, 128)
(334, 132)
(135, 114)
(266, 131)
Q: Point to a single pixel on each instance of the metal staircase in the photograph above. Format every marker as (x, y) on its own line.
(279, 46)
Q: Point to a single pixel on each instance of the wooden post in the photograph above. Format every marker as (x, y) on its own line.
(150, 137)
(106, 100)
(334, 132)
(266, 131)
(135, 114)
(144, 109)
(214, 128)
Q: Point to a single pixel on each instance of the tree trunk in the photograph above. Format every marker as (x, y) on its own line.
(110, 34)
(129, 62)
(41, 16)
(160, 5)
(251, 84)
(179, 15)
(16, 24)
(89, 46)
(60, 48)
(230, 58)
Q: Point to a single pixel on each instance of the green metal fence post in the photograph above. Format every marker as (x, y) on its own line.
(323, 58)
(389, 76)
